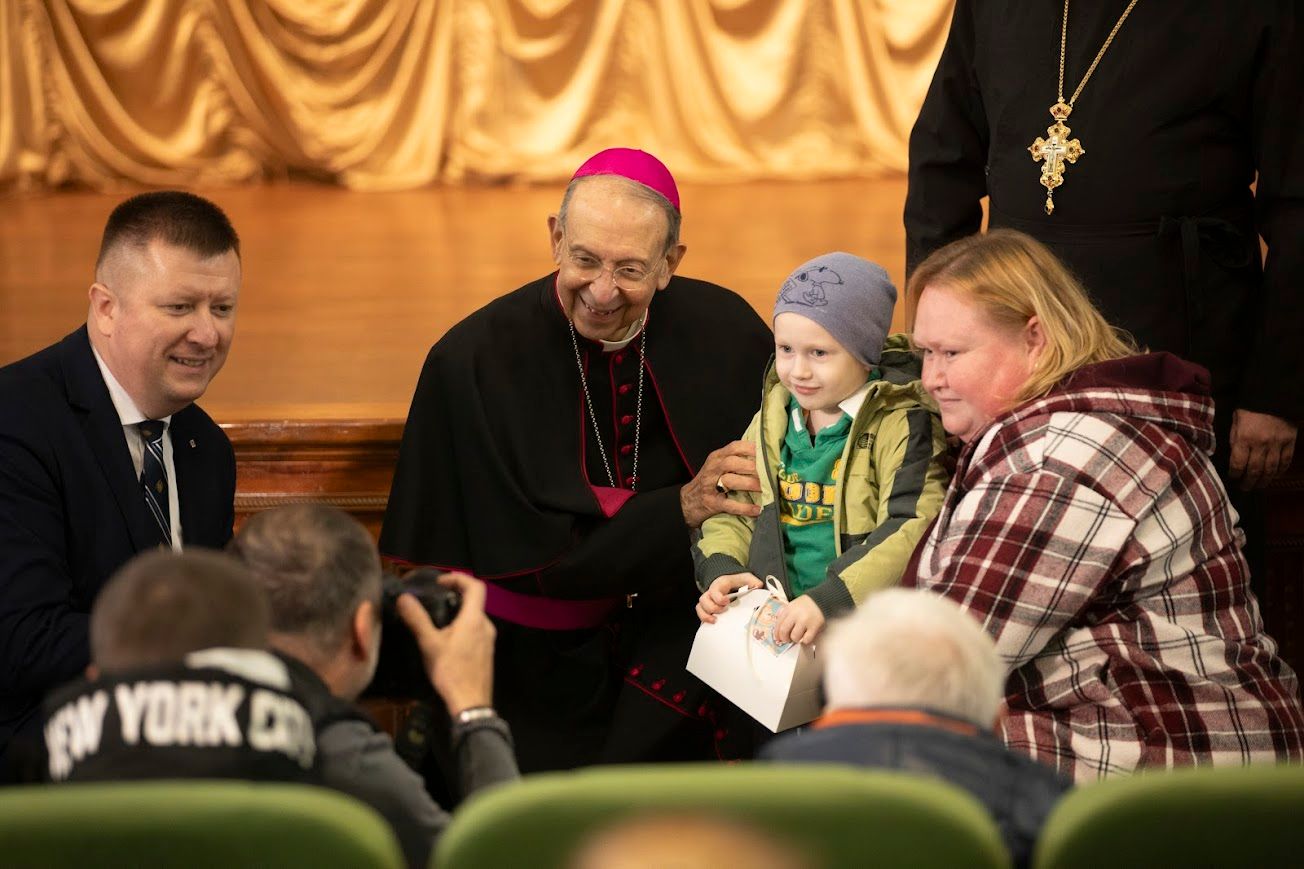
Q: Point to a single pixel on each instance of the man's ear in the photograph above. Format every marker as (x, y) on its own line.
(364, 630)
(104, 308)
(554, 237)
(673, 257)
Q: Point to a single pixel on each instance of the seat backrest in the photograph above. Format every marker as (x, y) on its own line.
(840, 816)
(1228, 816)
(192, 823)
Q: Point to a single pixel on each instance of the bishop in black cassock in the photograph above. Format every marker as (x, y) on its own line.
(562, 491)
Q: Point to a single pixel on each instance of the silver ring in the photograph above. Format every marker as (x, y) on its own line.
(720, 486)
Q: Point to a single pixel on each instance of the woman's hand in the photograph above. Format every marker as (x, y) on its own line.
(716, 598)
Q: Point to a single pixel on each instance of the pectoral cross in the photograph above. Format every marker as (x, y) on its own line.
(1054, 151)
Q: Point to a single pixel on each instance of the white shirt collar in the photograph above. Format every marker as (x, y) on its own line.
(849, 405)
(630, 335)
(253, 664)
(128, 413)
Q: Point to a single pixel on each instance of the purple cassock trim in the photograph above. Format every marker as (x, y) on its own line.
(547, 613)
(611, 500)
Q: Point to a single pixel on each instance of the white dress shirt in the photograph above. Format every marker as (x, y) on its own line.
(129, 415)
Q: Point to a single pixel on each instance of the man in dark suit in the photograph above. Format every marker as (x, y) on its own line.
(102, 452)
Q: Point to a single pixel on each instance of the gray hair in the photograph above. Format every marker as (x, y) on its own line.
(910, 647)
(638, 191)
(316, 563)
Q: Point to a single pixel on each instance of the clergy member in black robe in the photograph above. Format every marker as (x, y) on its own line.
(1156, 216)
(503, 473)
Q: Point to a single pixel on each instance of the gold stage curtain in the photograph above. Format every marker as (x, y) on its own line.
(384, 94)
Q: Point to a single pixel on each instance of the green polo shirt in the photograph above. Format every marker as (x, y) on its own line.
(808, 482)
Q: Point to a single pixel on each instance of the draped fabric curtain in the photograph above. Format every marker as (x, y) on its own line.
(384, 94)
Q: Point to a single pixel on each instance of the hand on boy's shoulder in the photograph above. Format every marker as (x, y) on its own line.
(732, 468)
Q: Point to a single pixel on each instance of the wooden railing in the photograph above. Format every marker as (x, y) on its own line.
(345, 463)
(350, 463)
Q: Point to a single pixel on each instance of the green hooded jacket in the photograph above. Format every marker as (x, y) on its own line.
(890, 488)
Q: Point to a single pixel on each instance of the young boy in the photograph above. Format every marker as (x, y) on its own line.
(849, 453)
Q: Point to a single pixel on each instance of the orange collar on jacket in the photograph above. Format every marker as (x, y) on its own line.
(840, 717)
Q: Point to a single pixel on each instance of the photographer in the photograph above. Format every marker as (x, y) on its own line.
(322, 575)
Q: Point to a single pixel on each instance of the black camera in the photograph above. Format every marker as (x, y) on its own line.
(400, 671)
(423, 583)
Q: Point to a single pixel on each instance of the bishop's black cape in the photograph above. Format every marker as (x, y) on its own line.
(495, 478)
(1157, 217)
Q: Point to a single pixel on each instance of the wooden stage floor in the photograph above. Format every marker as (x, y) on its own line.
(345, 292)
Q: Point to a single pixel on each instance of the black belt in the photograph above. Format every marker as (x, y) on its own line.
(1055, 230)
(1223, 240)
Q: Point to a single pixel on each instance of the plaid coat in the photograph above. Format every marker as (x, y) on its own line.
(1089, 533)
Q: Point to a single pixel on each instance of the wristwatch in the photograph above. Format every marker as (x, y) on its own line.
(475, 713)
(478, 719)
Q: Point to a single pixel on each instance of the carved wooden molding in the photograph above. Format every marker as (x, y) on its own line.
(343, 463)
(317, 434)
(250, 503)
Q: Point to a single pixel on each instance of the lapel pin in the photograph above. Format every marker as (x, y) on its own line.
(192, 443)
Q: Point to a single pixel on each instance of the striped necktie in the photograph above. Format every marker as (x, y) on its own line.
(154, 477)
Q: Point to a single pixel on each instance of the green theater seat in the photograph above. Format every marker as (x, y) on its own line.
(841, 817)
(167, 824)
(1230, 816)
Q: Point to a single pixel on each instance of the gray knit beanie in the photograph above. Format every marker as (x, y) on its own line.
(850, 297)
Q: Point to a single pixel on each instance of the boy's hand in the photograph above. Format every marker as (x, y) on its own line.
(716, 598)
(799, 622)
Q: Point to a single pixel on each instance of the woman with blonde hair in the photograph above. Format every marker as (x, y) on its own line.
(1086, 529)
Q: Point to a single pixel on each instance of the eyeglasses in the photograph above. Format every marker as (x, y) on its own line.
(626, 277)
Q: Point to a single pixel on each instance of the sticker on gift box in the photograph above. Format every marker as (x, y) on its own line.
(765, 619)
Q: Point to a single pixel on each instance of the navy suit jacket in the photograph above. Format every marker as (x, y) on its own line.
(72, 512)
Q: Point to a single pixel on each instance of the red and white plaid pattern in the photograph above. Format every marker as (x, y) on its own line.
(1090, 534)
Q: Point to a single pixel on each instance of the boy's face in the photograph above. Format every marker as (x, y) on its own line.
(812, 365)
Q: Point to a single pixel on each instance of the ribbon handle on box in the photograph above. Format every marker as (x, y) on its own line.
(775, 587)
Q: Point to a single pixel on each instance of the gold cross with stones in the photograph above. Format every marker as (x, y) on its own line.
(1054, 150)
